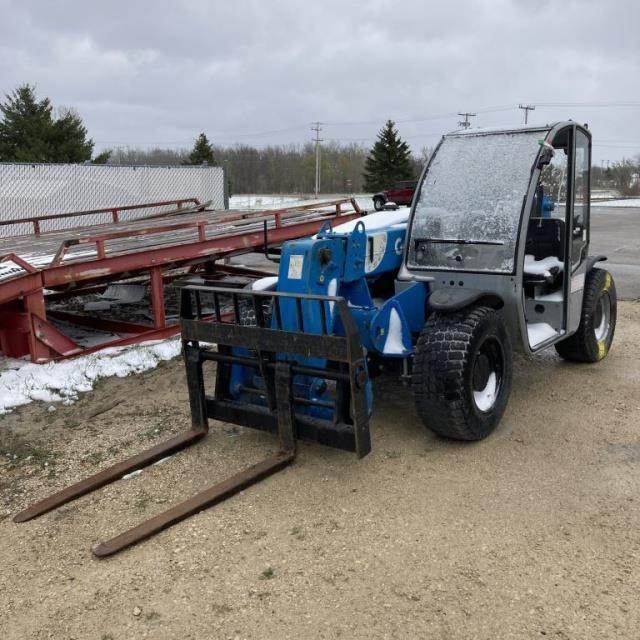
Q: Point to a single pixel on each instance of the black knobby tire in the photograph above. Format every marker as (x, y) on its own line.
(592, 341)
(445, 372)
(378, 204)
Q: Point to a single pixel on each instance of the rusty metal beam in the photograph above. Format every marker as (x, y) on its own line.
(114, 211)
(157, 298)
(133, 263)
(100, 324)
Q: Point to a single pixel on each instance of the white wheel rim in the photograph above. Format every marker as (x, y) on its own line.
(486, 398)
(602, 329)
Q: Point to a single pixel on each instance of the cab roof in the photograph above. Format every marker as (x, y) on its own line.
(480, 131)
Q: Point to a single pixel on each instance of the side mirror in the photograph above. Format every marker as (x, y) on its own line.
(546, 154)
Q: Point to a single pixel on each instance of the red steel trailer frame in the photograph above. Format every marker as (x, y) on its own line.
(84, 259)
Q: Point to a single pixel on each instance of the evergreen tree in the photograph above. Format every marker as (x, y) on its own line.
(388, 161)
(30, 133)
(25, 127)
(103, 158)
(202, 151)
(69, 141)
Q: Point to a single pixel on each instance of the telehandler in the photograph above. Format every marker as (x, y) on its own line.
(492, 257)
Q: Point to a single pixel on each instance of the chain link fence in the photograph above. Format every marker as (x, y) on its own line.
(31, 190)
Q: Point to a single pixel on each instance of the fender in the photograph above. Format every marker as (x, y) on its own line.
(592, 260)
(449, 300)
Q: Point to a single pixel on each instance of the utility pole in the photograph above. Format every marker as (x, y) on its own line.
(317, 127)
(465, 124)
(526, 108)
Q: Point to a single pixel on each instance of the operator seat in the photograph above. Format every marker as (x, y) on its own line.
(544, 247)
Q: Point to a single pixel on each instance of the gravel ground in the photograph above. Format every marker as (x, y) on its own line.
(533, 532)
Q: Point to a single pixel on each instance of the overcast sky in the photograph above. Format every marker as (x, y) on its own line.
(259, 72)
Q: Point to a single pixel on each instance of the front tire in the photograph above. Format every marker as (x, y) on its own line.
(592, 341)
(378, 204)
(462, 373)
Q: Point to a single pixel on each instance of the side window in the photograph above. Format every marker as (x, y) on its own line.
(554, 182)
(581, 199)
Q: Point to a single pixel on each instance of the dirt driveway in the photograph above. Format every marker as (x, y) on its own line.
(533, 532)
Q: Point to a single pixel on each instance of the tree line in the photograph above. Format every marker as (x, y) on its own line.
(269, 169)
(32, 130)
(344, 168)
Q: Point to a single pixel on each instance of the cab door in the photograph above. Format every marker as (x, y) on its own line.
(578, 224)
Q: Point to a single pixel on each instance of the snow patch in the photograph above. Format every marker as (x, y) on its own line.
(627, 202)
(375, 221)
(261, 201)
(133, 474)
(541, 267)
(555, 296)
(332, 289)
(265, 284)
(539, 332)
(393, 344)
(22, 382)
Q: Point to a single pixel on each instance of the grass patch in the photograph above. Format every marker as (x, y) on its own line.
(19, 453)
(95, 457)
(297, 533)
(142, 501)
(267, 574)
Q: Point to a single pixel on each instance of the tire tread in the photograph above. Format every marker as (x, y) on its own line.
(582, 346)
(441, 357)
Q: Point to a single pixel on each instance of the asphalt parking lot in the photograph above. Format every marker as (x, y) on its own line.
(615, 232)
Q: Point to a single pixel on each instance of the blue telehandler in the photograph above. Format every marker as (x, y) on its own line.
(491, 257)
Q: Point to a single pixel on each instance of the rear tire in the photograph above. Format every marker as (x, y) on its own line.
(592, 341)
(378, 204)
(462, 373)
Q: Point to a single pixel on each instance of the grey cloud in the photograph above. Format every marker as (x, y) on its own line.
(147, 72)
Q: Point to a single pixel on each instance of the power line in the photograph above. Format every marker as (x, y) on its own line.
(620, 103)
(227, 136)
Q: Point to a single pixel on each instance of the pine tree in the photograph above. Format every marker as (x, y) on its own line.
(103, 158)
(388, 161)
(202, 151)
(30, 133)
(25, 127)
(69, 139)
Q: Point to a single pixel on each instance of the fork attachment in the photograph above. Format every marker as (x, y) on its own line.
(284, 361)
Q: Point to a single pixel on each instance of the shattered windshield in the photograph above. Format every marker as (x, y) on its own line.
(468, 212)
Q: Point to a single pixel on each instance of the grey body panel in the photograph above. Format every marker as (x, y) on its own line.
(452, 298)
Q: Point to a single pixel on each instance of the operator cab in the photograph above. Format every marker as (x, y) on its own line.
(501, 218)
